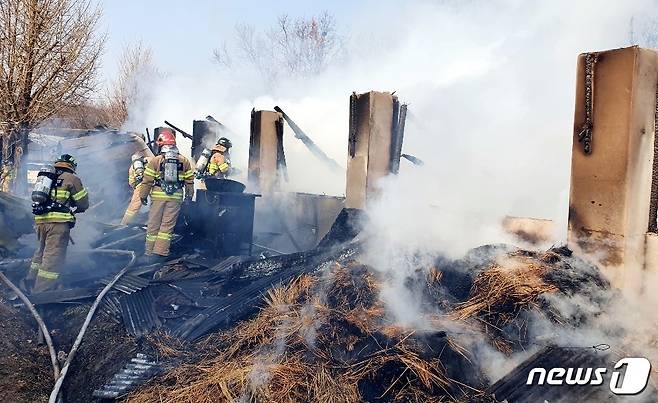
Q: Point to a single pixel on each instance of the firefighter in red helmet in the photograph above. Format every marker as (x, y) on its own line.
(169, 180)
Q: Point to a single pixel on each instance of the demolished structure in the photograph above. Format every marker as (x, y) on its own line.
(266, 297)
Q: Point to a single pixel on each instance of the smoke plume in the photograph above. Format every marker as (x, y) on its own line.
(490, 88)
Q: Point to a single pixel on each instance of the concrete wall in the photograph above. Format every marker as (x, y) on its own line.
(373, 119)
(610, 188)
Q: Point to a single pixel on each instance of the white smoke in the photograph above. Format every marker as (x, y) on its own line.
(490, 87)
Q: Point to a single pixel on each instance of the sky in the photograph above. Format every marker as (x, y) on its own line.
(183, 34)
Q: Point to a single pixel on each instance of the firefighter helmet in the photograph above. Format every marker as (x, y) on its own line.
(223, 141)
(67, 159)
(166, 138)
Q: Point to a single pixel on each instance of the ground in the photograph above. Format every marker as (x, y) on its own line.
(25, 371)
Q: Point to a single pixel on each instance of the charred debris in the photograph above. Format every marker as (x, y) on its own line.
(257, 303)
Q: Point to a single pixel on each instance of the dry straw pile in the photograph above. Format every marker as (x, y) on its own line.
(328, 338)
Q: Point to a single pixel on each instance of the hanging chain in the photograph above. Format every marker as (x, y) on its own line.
(353, 123)
(653, 203)
(585, 135)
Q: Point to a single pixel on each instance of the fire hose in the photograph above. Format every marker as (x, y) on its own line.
(60, 379)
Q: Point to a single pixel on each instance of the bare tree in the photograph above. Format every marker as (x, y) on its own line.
(49, 55)
(89, 115)
(302, 46)
(136, 66)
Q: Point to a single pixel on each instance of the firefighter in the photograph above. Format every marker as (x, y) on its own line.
(220, 162)
(215, 162)
(169, 180)
(135, 176)
(57, 196)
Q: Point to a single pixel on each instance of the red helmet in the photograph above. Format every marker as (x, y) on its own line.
(166, 138)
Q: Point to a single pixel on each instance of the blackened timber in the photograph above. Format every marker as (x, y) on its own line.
(310, 144)
(246, 268)
(399, 118)
(413, 159)
(184, 133)
(345, 228)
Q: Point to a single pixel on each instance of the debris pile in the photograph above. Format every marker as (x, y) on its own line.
(312, 325)
(328, 337)
(521, 284)
(321, 339)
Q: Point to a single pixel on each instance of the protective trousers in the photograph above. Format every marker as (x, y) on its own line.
(48, 261)
(160, 227)
(133, 208)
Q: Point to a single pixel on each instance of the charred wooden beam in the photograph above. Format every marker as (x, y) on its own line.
(310, 144)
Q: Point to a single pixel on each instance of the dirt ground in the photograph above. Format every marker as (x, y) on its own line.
(25, 371)
(105, 350)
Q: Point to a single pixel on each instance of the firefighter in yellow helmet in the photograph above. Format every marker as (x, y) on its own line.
(135, 177)
(169, 180)
(215, 162)
(58, 194)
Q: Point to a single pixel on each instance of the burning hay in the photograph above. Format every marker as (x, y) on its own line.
(325, 339)
(328, 338)
(520, 284)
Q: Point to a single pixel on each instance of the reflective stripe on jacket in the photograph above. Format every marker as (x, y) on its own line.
(54, 216)
(69, 192)
(152, 175)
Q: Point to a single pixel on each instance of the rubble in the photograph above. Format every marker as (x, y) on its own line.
(322, 338)
(15, 220)
(326, 335)
(308, 325)
(311, 325)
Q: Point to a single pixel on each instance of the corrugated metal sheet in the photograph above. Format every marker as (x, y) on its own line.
(245, 301)
(111, 306)
(128, 283)
(137, 310)
(134, 374)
